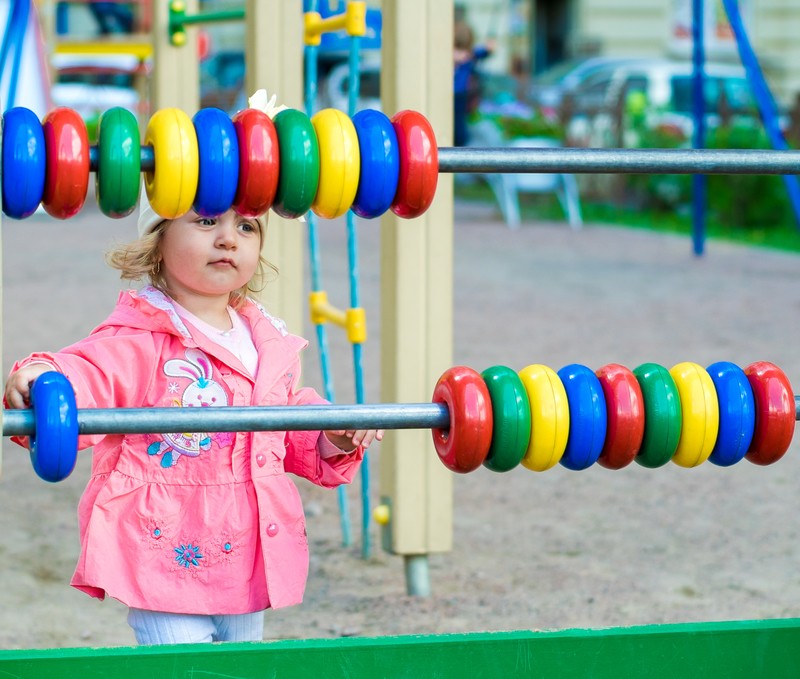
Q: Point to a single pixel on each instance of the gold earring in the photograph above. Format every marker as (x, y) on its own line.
(156, 269)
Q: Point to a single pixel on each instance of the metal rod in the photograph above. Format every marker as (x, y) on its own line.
(589, 161)
(619, 161)
(253, 418)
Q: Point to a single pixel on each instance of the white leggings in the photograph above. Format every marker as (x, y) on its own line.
(154, 627)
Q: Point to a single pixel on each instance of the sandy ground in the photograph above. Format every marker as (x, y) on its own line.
(558, 549)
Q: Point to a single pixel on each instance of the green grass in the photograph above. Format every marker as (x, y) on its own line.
(545, 207)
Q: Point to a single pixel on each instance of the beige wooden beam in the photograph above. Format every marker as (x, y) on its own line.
(417, 280)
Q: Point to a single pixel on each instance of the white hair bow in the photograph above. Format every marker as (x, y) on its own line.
(263, 102)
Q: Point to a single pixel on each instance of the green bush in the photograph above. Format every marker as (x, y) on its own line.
(535, 126)
(746, 201)
(736, 201)
(659, 192)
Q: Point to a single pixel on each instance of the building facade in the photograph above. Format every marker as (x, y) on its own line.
(532, 35)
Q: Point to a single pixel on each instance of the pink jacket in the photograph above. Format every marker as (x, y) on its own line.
(204, 523)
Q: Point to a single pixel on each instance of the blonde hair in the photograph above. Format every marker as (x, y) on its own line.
(141, 260)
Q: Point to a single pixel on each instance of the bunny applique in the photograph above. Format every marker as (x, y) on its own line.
(201, 392)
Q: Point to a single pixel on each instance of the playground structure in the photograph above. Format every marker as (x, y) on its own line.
(738, 641)
(27, 81)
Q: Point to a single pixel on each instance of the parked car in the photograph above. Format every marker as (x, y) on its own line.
(547, 89)
(664, 90)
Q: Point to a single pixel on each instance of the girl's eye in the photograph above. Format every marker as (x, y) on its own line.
(207, 221)
(248, 227)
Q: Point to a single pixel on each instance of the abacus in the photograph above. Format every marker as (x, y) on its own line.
(327, 163)
(498, 418)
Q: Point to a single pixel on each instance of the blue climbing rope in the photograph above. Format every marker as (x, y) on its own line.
(764, 100)
(311, 78)
(13, 40)
(311, 54)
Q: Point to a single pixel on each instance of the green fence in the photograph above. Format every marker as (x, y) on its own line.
(747, 649)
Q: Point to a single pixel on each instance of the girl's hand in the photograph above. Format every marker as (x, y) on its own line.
(18, 386)
(350, 439)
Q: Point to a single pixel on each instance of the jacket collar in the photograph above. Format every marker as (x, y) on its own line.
(152, 310)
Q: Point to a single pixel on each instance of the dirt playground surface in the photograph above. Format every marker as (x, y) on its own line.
(558, 549)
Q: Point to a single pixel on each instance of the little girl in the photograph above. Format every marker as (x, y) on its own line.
(198, 533)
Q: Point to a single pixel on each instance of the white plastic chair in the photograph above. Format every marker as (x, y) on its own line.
(507, 187)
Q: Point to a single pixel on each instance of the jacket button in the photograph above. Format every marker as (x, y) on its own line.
(261, 459)
(272, 530)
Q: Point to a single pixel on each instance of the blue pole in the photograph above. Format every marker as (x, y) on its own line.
(311, 76)
(699, 136)
(764, 100)
(352, 241)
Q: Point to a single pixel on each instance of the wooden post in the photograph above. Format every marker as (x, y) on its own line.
(417, 288)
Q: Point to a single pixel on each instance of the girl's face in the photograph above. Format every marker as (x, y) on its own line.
(209, 256)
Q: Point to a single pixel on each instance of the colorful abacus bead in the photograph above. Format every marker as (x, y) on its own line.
(172, 184)
(259, 162)
(299, 163)
(54, 445)
(737, 413)
(625, 409)
(67, 163)
(699, 414)
(24, 162)
(662, 415)
(588, 418)
(775, 412)
(340, 163)
(511, 418)
(549, 417)
(419, 164)
(118, 174)
(380, 163)
(218, 155)
(465, 445)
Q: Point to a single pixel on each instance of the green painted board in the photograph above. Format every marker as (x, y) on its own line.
(769, 649)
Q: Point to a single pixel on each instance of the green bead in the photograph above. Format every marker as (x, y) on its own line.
(662, 415)
(298, 178)
(511, 415)
(118, 172)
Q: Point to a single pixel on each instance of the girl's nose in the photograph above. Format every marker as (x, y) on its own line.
(226, 233)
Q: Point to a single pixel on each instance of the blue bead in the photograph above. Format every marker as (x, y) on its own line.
(24, 161)
(218, 147)
(588, 416)
(380, 163)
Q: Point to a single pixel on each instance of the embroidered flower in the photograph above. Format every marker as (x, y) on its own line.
(173, 388)
(188, 555)
(153, 529)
